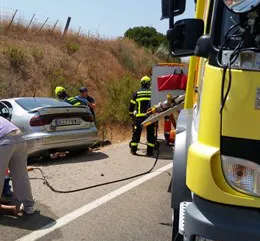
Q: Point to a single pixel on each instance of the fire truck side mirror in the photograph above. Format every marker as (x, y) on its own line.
(204, 46)
(184, 35)
(179, 8)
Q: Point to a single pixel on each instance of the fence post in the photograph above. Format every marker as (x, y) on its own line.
(67, 26)
(55, 25)
(43, 24)
(11, 22)
(31, 22)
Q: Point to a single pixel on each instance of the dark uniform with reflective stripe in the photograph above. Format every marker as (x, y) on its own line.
(141, 102)
(73, 101)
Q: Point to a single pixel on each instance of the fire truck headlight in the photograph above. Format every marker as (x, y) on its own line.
(242, 175)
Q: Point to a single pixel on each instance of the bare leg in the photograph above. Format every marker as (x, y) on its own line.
(9, 209)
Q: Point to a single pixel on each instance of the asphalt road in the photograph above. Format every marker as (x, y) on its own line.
(137, 209)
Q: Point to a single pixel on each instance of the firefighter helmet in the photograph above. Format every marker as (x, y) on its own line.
(59, 90)
(146, 80)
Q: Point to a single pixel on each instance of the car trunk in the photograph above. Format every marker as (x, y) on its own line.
(62, 118)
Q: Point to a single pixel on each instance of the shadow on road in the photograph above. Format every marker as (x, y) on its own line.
(32, 222)
(75, 158)
(166, 152)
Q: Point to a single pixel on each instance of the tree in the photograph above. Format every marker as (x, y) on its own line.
(147, 37)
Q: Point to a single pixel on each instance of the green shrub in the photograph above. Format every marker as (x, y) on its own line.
(163, 53)
(72, 47)
(125, 56)
(147, 37)
(37, 55)
(16, 57)
(119, 93)
(56, 78)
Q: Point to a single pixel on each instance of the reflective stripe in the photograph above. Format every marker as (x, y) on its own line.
(140, 115)
(133, 102)
(144, 95)
(142, 99)
(131, 113)
(134, 144)
(139, 106)
(73, 101)
(144, 92)
(150, 144)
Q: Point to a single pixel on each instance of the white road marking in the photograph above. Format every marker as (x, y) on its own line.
(89, 207)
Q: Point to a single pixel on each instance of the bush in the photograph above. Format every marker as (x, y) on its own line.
(163, 53)
(55, 78)
(125, 57)
(119, 93)
(16, 57)
(146, 37)
(37, 55)
(58, 77)
(72, 47)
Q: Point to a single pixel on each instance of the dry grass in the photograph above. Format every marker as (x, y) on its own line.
(71, 61)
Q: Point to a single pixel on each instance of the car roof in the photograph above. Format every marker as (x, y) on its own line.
(28, 98)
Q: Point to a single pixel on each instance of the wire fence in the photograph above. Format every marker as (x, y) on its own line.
(13, 17)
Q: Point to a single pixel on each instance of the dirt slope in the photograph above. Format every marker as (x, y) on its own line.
(33, 62)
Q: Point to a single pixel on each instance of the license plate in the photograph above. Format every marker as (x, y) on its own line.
(68, 122)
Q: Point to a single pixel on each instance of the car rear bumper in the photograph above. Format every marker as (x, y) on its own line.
(39, 142)
(221, 222)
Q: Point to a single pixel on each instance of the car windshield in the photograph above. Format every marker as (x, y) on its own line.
(32, 103)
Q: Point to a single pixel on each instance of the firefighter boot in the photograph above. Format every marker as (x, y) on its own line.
(133, 150)
(149, 151)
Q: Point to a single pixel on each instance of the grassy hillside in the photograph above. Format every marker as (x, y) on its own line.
(33, 63)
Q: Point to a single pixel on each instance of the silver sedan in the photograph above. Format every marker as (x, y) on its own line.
(50, 125)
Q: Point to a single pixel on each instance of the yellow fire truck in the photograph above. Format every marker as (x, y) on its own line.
(216, 166)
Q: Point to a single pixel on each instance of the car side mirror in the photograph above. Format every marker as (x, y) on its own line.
(184, 35)
(4, 110)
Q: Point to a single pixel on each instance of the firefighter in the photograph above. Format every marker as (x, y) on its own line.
(139, 105)
(61, 93)
(87, 99)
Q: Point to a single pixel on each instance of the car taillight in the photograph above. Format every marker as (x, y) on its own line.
(40, 121)
(242, 174)
(88, 117)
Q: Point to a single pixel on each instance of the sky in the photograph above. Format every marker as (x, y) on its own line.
(110, 18)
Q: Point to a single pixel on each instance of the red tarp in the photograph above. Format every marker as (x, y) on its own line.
(172, 82)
